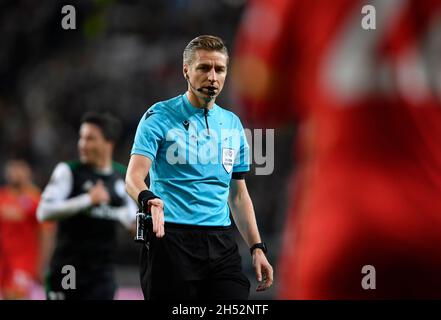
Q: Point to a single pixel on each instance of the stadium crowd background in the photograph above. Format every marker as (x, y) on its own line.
(123, 57)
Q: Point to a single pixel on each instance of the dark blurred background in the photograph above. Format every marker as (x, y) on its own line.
(123, 57)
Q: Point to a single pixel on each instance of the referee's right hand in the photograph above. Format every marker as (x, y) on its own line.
(157, 211)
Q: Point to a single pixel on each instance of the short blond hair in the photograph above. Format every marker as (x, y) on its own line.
(204, 42)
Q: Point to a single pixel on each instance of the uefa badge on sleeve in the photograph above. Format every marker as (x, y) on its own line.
(227, 159)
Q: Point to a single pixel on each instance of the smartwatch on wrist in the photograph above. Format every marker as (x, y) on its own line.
(260, 245)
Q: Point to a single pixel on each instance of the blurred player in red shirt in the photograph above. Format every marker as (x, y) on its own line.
(367, 186)
(20, 259)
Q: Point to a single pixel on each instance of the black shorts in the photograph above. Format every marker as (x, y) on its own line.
(90, 284)
(192, 263)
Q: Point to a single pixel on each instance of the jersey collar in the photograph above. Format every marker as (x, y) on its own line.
(191, 110)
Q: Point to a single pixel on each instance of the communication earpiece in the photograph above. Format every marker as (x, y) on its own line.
(211, 92)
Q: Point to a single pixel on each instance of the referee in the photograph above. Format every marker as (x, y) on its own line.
(196, 155)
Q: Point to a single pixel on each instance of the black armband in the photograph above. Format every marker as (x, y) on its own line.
(145, 196)
(238, 175)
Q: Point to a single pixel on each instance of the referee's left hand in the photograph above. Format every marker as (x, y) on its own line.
(157, 211)
(263, 270)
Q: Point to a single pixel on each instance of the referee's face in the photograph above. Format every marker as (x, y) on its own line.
(92, 146)
(208, 70)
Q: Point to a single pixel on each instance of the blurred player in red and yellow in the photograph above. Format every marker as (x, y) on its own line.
(367, 186)
(21, 260)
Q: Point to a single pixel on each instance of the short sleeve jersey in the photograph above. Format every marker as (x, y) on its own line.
(194, 153)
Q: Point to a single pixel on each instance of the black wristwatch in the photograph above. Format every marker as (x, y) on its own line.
(260, 245)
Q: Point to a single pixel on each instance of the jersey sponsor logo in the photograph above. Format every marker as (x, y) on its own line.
(105, 212)
(227, 159)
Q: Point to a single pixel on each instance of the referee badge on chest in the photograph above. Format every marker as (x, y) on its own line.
(227, 159)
